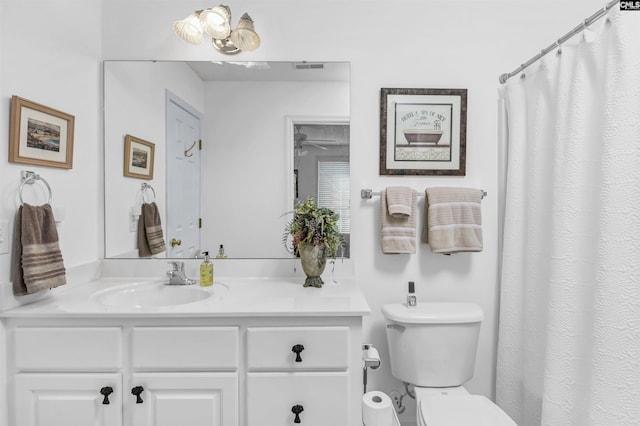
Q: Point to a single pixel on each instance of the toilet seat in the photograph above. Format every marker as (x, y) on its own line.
(461, 410)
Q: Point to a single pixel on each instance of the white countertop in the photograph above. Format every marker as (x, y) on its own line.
(232, 297)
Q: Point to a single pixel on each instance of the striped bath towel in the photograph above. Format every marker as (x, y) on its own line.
(453, 220)
(398, 234)
(150, 236)
(37, 263)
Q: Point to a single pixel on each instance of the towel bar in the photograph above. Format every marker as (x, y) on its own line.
(29, 178)
(369, 193)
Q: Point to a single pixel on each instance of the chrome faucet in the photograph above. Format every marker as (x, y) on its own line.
(177, 276)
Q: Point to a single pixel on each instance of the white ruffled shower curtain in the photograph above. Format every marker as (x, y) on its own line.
(569, 336)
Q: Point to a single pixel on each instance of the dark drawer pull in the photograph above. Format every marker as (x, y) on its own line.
(297, 409)
(137, 391)
(297, 349)
(106, 391)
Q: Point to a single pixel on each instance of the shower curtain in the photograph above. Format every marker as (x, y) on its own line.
(569, 329)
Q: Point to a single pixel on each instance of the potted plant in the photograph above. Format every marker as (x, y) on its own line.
(314, 237)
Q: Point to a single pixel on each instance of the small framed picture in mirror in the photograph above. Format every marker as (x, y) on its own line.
(138, 157)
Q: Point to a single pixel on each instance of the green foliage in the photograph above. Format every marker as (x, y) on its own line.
(313, 225)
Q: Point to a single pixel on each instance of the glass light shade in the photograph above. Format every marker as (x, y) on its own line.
(216, 21)
(189, 29)
(244, 36)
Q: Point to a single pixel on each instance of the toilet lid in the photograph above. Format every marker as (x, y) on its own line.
(463, 410)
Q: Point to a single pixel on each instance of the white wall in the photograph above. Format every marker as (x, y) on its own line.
(409, 43)
(245, 159)
(53, 58)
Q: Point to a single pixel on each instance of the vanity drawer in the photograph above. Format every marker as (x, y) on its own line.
(272, 348)
(68, 348)
(185, 348)
(324, 398)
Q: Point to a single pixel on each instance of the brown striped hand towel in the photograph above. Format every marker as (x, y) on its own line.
(38, 263)
(453, 221)
(398, 234)
(150, 236)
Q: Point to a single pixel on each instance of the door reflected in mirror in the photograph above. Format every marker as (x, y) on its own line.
(265, 135)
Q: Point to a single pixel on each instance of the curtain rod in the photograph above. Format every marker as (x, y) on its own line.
(590, 20)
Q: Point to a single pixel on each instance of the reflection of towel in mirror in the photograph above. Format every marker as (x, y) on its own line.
(453, 220)
(37, 262)
(398, 234)
(150, 236)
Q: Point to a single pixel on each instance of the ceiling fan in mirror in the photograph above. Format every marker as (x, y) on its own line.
(301, 141)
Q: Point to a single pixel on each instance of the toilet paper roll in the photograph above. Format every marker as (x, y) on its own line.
(377, 409)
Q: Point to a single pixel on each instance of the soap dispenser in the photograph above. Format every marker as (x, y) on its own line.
(221, 254)
(411, 297)
(206, 271)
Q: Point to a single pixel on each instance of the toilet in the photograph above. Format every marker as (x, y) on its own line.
(432, 346)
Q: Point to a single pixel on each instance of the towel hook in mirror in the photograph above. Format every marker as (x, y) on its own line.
(187, 152)
(29, 178)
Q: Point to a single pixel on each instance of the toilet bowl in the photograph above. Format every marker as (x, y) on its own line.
(433, 347)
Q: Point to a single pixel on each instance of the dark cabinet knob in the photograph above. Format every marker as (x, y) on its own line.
(297, 349)
(297, 409)
(106, 391)
(137, 391)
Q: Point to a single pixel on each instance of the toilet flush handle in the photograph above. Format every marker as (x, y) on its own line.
(398, 327)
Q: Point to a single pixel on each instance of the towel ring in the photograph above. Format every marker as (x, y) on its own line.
(29, 178)
(144, 187)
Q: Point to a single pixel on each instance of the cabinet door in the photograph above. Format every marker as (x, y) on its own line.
(68, 400)
(193, 399)
(321, 399)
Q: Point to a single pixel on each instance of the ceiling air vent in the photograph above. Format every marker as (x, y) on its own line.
(308, 66)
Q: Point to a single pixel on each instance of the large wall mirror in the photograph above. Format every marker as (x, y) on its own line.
(224, 150)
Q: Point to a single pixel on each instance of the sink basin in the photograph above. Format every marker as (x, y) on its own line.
(152, 294)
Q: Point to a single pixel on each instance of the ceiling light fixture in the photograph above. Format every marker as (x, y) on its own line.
(216, 22)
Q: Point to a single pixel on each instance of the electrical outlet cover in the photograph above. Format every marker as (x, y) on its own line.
(4, 237)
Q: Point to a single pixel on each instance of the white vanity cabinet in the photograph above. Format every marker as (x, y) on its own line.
(199, 371)
(112, 373)
(309, 367)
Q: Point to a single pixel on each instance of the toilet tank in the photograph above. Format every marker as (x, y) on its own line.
(433, 344)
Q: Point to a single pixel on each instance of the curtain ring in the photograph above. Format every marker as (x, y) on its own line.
(605, 12)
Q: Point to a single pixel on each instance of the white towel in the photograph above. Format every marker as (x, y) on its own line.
(453, 221)
(398, 234)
